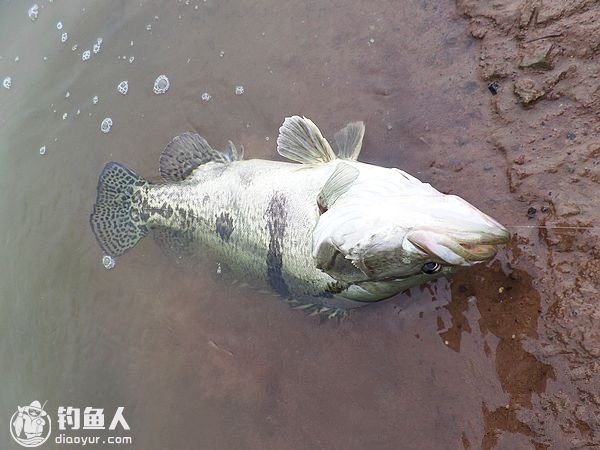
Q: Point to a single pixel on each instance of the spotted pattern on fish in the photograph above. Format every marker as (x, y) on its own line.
(118, 229)
(276, 215)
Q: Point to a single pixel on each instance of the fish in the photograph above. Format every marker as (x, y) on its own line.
(324, 231)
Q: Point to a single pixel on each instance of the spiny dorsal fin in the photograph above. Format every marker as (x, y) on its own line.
(188, 151)
(300, 140)
(337, 184)
(349, 140)
(232, 153)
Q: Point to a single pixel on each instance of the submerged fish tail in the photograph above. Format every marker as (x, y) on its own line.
(117, 219)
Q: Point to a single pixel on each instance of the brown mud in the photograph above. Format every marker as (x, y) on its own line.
(504, 356)
(542, 58)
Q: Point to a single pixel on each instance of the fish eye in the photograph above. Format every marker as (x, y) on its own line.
(431, 267)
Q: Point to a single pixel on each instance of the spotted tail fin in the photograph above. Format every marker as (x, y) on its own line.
(117, 219)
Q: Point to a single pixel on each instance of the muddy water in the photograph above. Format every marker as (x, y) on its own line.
(195, 361)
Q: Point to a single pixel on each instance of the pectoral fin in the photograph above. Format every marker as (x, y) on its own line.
(301, 140)
(337, 184)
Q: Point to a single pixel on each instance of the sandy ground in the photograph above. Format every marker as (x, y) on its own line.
(500, 357)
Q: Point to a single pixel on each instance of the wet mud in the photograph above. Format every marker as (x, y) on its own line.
(495, 102)
(542, 58)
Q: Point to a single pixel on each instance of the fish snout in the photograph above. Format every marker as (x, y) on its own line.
(460, 248)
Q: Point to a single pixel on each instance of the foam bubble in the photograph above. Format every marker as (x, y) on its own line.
(161, 85)
(106, 125)
(206, 96)
(43, 150)
(108, 262)
(33, 12)
(123, 87)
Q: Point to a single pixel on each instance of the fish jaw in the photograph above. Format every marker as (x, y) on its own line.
(469, 237)
(458, 236)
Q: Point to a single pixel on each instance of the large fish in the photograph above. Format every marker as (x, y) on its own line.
(327, 232)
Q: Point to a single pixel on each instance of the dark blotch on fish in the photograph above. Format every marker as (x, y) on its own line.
(224, 226)
(276, 215)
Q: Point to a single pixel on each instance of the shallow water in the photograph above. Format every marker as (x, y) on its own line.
(194, 360)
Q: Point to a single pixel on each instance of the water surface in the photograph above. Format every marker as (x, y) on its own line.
(195, 361)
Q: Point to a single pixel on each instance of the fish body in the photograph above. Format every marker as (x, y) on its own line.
(325, 232)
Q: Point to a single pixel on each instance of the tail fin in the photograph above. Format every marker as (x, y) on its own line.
(117, 219)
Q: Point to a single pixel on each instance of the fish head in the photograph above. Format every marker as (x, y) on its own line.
(405, 230)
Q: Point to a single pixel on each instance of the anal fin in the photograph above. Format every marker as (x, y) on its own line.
(174, 243)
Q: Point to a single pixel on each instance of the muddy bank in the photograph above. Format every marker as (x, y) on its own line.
(540, 59)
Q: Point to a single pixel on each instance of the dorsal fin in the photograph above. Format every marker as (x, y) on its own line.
(232, 153)
(188, 151)
(337, 184)
(300, 140)
(349, 140)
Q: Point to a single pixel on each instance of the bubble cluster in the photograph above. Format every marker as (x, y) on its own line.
(206, 96)
(161, 85)
(123, 87)
(106, 125)
(95, 99)
(7, 82)
(64, 116)
(86, 55)
(33, 12)
(64, 37)
(108, 262)
(239, 90)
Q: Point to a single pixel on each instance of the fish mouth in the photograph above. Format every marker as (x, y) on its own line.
(460, 248)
